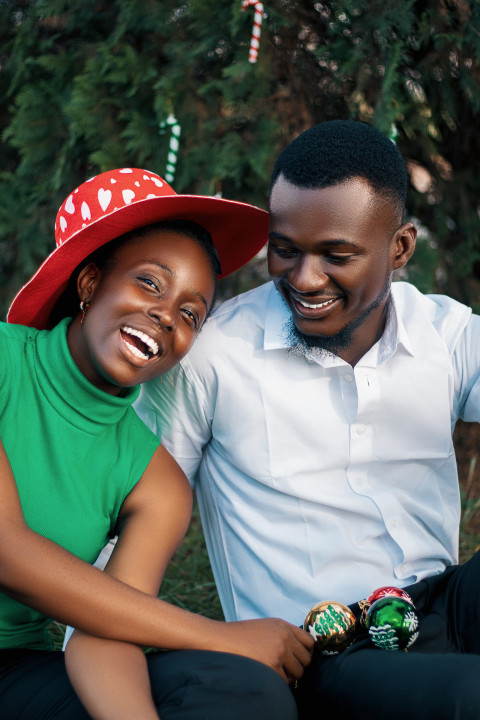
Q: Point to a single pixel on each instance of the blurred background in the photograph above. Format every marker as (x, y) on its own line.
(95, 84)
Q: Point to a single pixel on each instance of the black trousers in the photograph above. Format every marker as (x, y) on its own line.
(187, 685)
(437, 679)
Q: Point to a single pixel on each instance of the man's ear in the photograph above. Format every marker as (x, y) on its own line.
(403, 245)
(87, 281)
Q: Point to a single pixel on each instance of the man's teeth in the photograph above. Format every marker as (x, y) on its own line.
(149, 342)
(319, 305)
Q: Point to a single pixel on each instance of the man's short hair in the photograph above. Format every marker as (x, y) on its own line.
(338, 150)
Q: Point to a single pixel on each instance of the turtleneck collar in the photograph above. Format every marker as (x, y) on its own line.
(68, 390)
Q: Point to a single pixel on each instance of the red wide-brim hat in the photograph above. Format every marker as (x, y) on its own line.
(116, 202)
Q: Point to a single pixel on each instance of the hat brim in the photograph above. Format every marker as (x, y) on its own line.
(238, 230)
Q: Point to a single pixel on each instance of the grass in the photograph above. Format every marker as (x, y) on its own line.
(470, 523)
(467, 448)
(189, 581)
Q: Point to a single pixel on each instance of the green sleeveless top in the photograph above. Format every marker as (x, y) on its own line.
(75, 451)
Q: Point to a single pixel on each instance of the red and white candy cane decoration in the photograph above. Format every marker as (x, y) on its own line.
(256, 29)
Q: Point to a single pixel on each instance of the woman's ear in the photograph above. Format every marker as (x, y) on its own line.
(87, 281)
(403, 244)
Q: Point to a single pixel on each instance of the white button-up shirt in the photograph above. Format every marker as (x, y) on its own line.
(316, 480)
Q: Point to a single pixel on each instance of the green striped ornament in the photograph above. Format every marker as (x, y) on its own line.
(174, 145)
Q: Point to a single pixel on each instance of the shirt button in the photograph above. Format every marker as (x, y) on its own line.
(361, 429)
(394, 523)
(348, 378)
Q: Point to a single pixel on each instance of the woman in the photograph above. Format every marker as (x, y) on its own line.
(118, 302)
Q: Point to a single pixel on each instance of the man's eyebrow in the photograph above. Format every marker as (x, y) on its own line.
(337, 242)
(273, 235)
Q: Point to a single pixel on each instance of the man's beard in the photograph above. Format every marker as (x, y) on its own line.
(309, 346)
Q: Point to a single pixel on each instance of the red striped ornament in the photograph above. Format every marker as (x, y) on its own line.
(256, 29)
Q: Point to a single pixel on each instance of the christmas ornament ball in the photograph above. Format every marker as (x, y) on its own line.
(392, 623)
(332, 626)
(388, 591)
(384, 591)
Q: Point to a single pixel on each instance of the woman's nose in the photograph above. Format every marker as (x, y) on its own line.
(164, 313)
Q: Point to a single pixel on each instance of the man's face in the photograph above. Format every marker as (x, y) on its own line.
(331, 255)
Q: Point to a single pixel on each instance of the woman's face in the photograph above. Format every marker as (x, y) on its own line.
(145, 311)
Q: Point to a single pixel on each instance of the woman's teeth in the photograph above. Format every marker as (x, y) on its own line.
(138, 353)
(146, 339)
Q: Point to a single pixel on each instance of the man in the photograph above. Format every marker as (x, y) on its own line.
(315, 414)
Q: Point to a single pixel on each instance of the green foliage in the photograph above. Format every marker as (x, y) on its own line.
(87, 85)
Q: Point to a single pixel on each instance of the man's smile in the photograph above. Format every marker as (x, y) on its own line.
(316, 305)
(311, 307)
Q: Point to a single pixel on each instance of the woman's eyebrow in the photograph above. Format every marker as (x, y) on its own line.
(200, 297)
(160, 265)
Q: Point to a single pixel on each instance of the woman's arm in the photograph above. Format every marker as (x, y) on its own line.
(111, 677)
(43, 575)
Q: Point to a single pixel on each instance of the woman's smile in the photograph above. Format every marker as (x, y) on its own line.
(139, 343)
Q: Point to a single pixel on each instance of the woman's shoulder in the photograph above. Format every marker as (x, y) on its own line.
(134, 424)
(14, 343)
(19, 333)
(14, 339)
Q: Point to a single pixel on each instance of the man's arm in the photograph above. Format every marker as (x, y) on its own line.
(180, 413)
(466, 359)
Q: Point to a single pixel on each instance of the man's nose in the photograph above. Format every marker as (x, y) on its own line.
(309, 274)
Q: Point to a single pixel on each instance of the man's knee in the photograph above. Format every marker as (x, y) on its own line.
(266, 694)
(202, 685)
(461, 698)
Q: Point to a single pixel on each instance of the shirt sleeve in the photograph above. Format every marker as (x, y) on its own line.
(466, 360)
(177, 409)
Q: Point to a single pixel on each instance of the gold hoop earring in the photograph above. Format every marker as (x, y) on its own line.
(84, 307)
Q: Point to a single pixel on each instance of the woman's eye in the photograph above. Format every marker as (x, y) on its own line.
(148, 281)
(191, 317)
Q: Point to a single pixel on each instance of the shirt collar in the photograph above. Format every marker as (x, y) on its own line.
(395, 335)
(277, 315)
